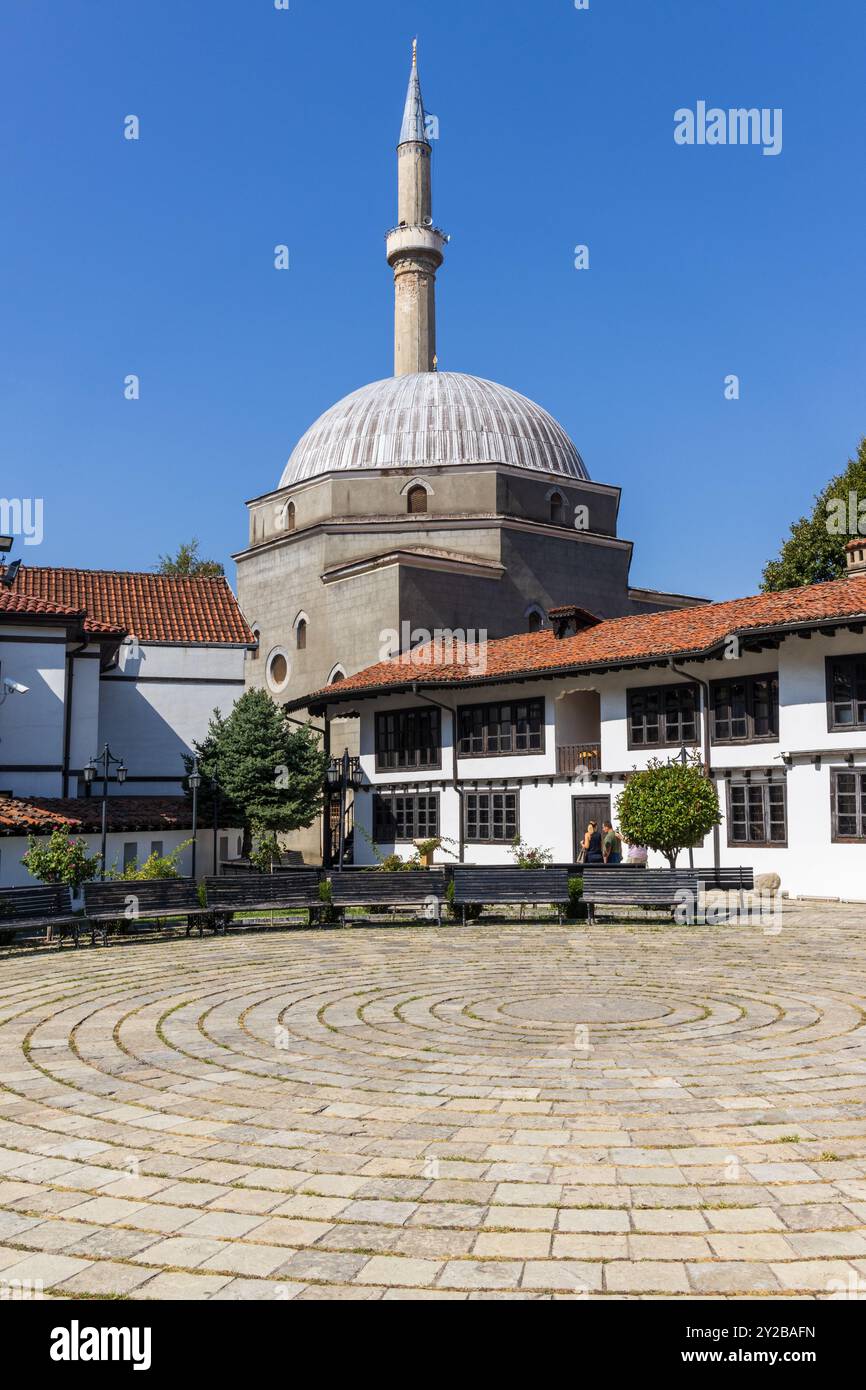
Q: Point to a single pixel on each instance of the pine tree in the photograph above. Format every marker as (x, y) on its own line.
(815, 551)
(271, 774)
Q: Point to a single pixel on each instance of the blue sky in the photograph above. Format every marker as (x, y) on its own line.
(261, 126)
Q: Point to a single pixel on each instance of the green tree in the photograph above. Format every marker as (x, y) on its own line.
(271, 773)
(155, 866)
(668, 807)
(815, 550)
(61, 860)
(187, 562)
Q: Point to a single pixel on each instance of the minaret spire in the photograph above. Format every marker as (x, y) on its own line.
(415, 247)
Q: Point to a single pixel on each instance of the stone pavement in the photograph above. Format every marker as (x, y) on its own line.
(498, 1111)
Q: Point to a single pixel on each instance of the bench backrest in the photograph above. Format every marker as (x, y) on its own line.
(641, 885)
(728, 878)
(25, 904)
(403, 888)
(298, 888)
(157, 897)
(510, 884)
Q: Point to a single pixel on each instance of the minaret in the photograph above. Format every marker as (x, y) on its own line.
(415, 247)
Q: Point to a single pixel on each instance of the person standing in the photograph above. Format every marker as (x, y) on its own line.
(593, 853)
(611, 844)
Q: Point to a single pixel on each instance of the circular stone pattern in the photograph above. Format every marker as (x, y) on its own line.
(527, 1112)
(582, 1008)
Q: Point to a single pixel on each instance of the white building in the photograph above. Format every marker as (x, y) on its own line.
(135, 661)
(550, 724)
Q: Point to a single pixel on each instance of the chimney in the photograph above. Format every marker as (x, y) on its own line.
(568, 620)
(855, 554)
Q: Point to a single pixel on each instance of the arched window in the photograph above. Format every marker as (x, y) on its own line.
(301, 635)
(290, 516)
(416, 500)
(337, 675)
(534, 620)
(557, 508)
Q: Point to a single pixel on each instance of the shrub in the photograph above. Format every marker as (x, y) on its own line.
(529, 856)
(575, 907)
(61, 860)
(668, 806)
(153, 867)
(327, 912)
(473, 910)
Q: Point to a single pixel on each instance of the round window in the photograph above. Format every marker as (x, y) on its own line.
(278, 670)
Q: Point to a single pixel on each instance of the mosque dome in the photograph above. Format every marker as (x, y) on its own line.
(433, 420)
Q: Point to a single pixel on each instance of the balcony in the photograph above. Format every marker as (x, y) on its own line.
(572, 759)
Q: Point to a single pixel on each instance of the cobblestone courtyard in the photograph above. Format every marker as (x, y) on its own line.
(511, 1111)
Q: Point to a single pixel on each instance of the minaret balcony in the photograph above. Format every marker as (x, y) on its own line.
(414, 241)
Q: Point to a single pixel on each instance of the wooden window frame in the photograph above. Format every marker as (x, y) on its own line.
(859, 775)
(642, 691)
(829, 663)
(763, 786)
(435, 717)
(509, 834)
(486, 751)
(380, 798)
(750, 736)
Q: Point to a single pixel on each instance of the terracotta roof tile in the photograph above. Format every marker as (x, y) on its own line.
(151, 607)
(82, 815)
(619, 641)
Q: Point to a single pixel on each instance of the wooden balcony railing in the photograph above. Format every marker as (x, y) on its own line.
(578, 757)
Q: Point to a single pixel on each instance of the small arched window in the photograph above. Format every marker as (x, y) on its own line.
(301, 635)
(337, 676)
(290, 516)
(416, 500)
(533, 622)
(557, 508)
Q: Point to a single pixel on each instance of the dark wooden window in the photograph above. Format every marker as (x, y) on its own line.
(846, 692)
(745, 710)
(492, 817)
(848, 796)
(757, 813)
(489, 731)
(557, 509)
(416, 500)
(664, 716)
(408, 738)
(301, 635)
(405, 816)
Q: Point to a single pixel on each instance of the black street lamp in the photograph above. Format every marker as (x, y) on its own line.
(194, 781)
(341, 774)
(106, 759)
(684, 759)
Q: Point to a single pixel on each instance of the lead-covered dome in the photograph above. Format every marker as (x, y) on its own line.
(430, 420)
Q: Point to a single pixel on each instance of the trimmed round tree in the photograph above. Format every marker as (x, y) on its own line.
(668, 807)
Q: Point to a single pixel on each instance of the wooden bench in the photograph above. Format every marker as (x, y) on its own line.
(740, 878)
(621, 885)
(134, 899)
(509, 884)
(404, 888)
(44, 907)
(259, 892)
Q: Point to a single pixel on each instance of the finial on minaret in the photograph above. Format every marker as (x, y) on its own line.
(416, 248)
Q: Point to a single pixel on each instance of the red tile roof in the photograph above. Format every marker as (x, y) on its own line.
(616, 642)
(83, 815)
(151, 607)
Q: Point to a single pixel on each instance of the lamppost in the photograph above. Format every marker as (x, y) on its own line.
(194, 782)
(215, 792)
(341, 774)
(107, 759)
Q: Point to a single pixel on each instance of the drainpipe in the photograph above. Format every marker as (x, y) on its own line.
(461, 833)
(67, 711)
(708, 771)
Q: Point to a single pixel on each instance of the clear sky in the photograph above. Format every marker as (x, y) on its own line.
(262, 126)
